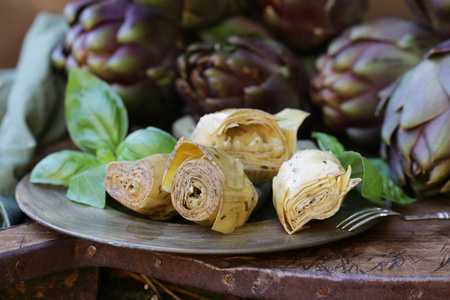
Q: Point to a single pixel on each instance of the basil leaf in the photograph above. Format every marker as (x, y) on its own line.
(104, 152)
(94, 111)
(328, 143)
(89, 187)
(145, 142)
(393, 192)
(57, 168)
(381, 165)
(371, 186)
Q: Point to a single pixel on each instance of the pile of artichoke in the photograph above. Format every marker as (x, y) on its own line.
(378, 84)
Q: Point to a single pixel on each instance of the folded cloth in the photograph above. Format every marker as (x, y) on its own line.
(34, 106)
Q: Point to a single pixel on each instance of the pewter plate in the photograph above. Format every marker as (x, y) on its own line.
(48, 205)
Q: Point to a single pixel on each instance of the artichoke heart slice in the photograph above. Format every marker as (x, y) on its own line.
(209, 187)
(310, 186)
(261, 141)
(138, 186)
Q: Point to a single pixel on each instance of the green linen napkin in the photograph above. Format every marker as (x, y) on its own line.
(32, 102)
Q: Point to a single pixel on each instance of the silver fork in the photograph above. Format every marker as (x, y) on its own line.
(366, 215)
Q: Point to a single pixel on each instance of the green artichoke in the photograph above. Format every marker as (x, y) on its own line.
(432, 13)
(365, 59)
(306, 25)
(129, 46)
(197, 13)
(415, 132)
(242, 72)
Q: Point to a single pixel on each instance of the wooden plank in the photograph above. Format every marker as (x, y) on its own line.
(26, 235)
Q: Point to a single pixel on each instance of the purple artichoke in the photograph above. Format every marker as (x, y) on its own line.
(309, 24)
(196, 13)
(241, 73)
(417, 125)
(129, 46)
(433, 13)
(365, 59)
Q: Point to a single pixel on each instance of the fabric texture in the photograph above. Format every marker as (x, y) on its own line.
(31, 109)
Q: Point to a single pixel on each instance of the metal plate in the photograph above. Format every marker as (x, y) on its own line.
(48, 205)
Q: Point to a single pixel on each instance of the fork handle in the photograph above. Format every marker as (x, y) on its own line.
(436, 216)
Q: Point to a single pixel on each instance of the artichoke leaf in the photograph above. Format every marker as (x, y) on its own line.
(209, 187)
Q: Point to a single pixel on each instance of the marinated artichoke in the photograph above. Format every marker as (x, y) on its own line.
(310, 186)
(434, 14)
(209, 187)
(241, 73)
(261, 141)
(416, 127)
(358, 64)
(129, 46)
(307, 25)
(138, 186)
(196, 13)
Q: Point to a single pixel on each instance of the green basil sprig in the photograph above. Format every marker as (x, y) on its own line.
(376, 185)
(97, 122)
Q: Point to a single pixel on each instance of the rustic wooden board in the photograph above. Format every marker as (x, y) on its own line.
(395, 259)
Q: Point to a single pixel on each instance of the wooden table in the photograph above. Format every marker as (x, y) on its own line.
(393, 260)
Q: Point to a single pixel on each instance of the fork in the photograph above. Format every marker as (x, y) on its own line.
(366, 215)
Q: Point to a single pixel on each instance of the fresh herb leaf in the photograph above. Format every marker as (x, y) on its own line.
(89, 187)
(57, 168)
(104, 152)
(145, 142)
(328, 143)
(381, 165)
(393, 192)
(376, 185)
(94, 111)
(371, 185)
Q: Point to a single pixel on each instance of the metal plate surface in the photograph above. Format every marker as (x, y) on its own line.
(48, 205)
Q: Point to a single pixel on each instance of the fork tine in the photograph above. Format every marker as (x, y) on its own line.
(369, 218)
(357, 216)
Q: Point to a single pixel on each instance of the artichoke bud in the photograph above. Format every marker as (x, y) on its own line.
(432, 14)
(357, 65)
(310, 186)
(307, 25)
(124, 44)
(195, 14)
(162, 76)
(240, 73)
(416, 125)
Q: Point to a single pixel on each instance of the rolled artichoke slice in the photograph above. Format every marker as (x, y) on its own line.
(209, 187)
(138, 186)
(310, 186)
(260, 140)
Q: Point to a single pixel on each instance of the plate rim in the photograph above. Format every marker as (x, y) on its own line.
(24, 183)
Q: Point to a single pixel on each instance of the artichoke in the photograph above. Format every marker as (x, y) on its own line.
(196, 13)
(137, 185)
(307, 25)
(311, 185)
(416, 127)
(209, 187)
(365, 59)
(432, 13)
(240, 73)
(261, 141)
(129, 46)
